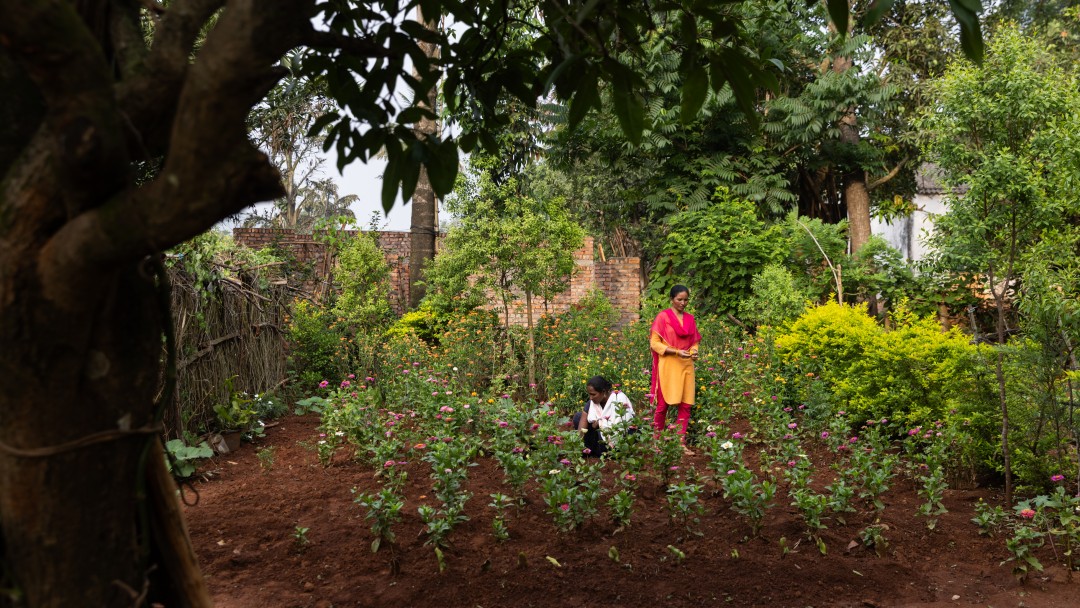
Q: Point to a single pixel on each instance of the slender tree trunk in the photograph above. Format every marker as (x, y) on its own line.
(423, 230)
(999, 371)
(532, 341)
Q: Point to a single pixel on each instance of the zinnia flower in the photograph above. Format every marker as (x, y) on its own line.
(1027, 513)
(1056, 478)
(565, 507)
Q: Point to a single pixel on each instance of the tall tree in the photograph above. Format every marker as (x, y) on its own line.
(424, 229)
(282, 126)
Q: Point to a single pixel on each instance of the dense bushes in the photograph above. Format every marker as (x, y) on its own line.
(912, 373)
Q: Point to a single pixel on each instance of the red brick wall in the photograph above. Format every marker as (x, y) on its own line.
(618, 278)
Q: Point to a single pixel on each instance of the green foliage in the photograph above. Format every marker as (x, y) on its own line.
(182, 458)
(1002, 149)
(315, 353)
(422, 322)
(716, 252)
(363, 276)
(213, 255)
(914, 373)
(504, 241)
(774, 298)
(238, 414)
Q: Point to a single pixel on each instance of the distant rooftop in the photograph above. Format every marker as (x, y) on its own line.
(928, 181)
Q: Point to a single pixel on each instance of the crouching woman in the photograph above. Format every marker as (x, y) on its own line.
(607, 413)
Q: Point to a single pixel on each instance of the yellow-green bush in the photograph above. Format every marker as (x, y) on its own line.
(914, 373)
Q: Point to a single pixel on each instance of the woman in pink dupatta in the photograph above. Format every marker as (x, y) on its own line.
(674, 342)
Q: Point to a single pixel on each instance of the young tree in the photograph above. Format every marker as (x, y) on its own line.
(506, 243)
(996, 152)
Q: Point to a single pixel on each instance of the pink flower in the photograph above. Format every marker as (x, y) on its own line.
(345, 384)
(1027, 513)
(565, 507)
(388, 464)
(824, 434)
(793, 425)
(791, 463)
(736, 435)
(352, 376)
(503, 424)
(324, 384)
(731, 472)
(853, 440)
(674, 467)
(586, 451)
(564, 462)
(630, 477)
(710, 434)
(1056, 478)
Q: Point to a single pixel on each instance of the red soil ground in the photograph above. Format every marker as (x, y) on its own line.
(244, 522)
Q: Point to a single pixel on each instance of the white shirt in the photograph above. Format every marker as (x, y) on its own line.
(609, 414)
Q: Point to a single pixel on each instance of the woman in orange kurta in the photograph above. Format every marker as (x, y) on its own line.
(674, 342)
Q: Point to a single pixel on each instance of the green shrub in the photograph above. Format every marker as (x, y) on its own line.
(716, 252)
(364, 279)
(913, 374)
(315, 347)
(774, 298)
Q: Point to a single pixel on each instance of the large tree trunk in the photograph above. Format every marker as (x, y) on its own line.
(83, 303)
(424, 229)
(856, 193)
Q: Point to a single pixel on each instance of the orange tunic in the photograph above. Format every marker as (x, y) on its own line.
(675, 374)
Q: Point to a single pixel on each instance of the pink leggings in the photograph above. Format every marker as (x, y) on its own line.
(660, 417)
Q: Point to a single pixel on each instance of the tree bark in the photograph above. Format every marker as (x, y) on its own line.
(423, 231)
(82, 312)
(856, 195)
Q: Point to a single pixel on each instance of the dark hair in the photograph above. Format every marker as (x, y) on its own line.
(599, 384)
(676, 290)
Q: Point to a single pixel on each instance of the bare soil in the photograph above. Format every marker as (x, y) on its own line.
(245, 519)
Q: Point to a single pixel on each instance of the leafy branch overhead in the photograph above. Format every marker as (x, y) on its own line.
(571, 49)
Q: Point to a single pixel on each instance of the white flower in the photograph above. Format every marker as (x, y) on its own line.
(322, 441)
(727, 445)
(553, 472)
(340, 433)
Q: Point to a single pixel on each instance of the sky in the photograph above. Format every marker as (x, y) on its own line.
(365, 181)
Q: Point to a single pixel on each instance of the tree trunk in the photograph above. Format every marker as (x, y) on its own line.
(74, 369)
(423, 230)
(83, 297)
(999, 372)
(532, 340)
(856, 193)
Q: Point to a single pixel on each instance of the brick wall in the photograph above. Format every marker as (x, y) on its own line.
(618, 278)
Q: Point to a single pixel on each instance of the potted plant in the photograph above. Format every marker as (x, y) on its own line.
(235, 418)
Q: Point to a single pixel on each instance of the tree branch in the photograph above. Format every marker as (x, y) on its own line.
(148, 100)
(888, 176)
(211, 170)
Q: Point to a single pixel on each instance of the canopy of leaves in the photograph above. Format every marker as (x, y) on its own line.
(999, 132)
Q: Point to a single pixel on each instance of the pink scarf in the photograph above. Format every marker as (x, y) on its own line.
(681, 336)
